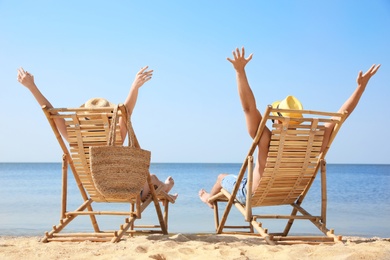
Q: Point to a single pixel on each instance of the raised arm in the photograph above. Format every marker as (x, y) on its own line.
(248, 102)
(252, 114)
(351, 103)
(361, 81)
(141, 77)
(27, 80)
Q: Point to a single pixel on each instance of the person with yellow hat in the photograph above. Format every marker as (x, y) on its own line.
(253, 118)
(143, 75)
(290, 102)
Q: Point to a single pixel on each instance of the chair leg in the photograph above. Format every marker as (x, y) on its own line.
(165, 217)
(290, 222)
(324, 197)
(56, 229)
(323, 202)
(64, 186)
(129, 224)
(65, 221)
(160, 216)
(132, 208)
(263, 232)
(216, 215)
(224, 217)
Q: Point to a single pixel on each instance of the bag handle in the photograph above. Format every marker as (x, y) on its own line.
(132, 139)
(112, 133)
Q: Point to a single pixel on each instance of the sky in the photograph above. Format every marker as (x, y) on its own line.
(190, 110)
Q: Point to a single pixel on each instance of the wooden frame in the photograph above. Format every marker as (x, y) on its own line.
(89, 127)
(293, 160)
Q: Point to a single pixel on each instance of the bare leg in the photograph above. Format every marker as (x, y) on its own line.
(167, 186)
(204, 195)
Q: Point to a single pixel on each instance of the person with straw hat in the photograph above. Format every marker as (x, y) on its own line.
(253, 118)
(142, 76)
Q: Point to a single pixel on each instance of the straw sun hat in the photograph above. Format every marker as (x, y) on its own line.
(290, 102)
(97, 102)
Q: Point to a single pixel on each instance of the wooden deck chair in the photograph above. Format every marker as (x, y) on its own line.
(86, 128)
(293, 160)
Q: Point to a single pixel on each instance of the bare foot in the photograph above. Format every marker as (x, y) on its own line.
(204, 196)
(169, 182)
(174, 197)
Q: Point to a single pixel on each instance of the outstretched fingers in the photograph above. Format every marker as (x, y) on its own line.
(250, 57)
(364, 78)
(141, 71)
(374, 68)
(21, 73)
(236, 54)
(145, 75)
(24, 77)
(19, 77)
(239, 56)
(371, 71)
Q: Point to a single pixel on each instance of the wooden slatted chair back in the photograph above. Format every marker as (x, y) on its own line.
(294, 156)
(86, 128)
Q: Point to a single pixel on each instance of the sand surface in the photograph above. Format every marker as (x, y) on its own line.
(191, 246)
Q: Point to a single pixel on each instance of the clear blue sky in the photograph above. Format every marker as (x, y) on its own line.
(190, 111)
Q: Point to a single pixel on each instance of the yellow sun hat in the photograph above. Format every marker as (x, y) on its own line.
(290, 102)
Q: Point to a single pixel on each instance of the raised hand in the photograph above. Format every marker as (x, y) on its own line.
(239, 62)
(363, 79)
(25, 78)
(142, 76)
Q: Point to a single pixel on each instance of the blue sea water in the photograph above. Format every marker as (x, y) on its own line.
(358, 200)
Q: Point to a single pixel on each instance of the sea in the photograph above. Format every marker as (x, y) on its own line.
(358, 200)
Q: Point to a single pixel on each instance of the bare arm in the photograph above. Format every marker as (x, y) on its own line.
(27, 80)
(248, 102)
(141, 77)
(252, 114)
(361, 81)
(351, 103)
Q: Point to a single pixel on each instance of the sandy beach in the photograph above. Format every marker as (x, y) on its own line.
(191, 246)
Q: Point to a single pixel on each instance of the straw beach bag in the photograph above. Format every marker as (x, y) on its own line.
(119, 172)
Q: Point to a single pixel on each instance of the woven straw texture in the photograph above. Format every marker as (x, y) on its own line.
(119, 172)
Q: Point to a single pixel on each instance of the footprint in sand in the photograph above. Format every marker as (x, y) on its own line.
(158, 257)
(141, 249)
(186, 250)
